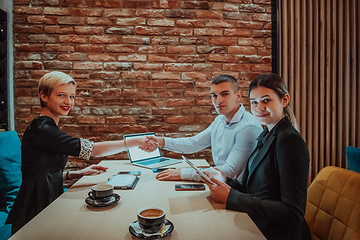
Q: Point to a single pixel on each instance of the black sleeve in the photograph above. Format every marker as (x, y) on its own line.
(48, 137)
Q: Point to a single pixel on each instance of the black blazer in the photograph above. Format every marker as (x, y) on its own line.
(273, 192)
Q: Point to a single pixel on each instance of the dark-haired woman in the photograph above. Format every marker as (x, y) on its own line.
(274, 185)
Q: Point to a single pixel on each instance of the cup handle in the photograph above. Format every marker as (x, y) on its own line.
(91, 195)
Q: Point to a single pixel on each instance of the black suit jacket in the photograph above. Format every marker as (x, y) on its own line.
(274, 187)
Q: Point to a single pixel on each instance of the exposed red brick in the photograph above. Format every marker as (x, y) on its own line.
(58, 30)
(73, 39)
(162, 58)
(252, 8)
(117, 66)
(25, 47)
(71, 20)
(165, 4)
(226, 7)
(120, 119)
(91, 48)
(101, 57)
(150, 13)
(175, 13)
(88, 30)
(208, 32)
(260, 68)
(135, 40)
(28, 10)
(178, 67)
(207, 66)
(246, 50)
(262, 34)
(91, 119)
(28, 64)
(166, 75)
(58, 65)
(133, 93)
(202, 76)
(181, 49)
(57, 11)
(149, 31)
(148, 66)
(165, 40)
(41, 20)
(88, 65)
(238, 16)
(220, 24)
(59, 48)
(191, 58)
(195, 5)
(104, 39)
(236, 67)
(180, 119)
(105, 75)
(72, 57)
(131, 21)
(207, 14)
(221, 58)
(152, 49)
(180, 102)
(136, 75)
(149, 84)
(223, 41)
(119, 12)
(190, 23)
(167, 94)
(75, 3)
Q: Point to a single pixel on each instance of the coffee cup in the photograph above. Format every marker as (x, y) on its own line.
(151, 218)
(101, 192)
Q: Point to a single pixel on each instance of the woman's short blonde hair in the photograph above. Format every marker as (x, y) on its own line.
(52, 80)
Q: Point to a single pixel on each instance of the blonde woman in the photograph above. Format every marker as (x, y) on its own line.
(45, 149)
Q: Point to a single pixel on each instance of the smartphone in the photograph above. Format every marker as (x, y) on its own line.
(136, 173)
(198, 171)
(156, 170)
(189, 187)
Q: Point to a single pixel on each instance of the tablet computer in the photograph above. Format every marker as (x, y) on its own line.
(123, 181)
(198, 171)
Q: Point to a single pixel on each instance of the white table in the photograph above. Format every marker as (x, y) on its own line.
(195, 214)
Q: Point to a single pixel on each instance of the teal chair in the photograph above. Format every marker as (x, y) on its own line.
(10, 177)
(353, 158)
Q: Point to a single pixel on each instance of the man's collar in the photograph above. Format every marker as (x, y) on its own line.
(237, 116)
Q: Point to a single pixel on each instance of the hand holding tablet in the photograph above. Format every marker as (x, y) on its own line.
(198, 171)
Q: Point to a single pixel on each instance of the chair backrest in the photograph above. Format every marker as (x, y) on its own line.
(353, 158)
(333, 205)
(10, 169)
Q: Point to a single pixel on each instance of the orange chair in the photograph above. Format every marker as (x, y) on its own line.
(333, 205)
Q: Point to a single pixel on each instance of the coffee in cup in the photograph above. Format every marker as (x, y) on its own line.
(151, 218)
(102, 192)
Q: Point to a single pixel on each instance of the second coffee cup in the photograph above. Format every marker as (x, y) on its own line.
(101, 191)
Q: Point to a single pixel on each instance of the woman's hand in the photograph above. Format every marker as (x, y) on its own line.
(92, 169)
(215, 173)
(169, 175)
(220, 191)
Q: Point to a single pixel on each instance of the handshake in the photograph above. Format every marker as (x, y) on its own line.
(150, 143)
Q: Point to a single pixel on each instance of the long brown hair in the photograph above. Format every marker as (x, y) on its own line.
(277, 84)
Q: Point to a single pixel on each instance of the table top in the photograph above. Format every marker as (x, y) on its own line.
(195, 214)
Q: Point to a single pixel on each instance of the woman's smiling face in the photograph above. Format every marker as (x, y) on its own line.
(61, 100)
(267, 106)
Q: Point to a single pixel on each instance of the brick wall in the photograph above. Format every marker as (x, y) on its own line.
(140, 65)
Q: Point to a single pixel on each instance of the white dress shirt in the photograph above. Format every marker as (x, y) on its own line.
(231, 144)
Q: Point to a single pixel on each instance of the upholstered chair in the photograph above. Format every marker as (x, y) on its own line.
(333, 205)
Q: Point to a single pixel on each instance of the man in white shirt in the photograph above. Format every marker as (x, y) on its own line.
(232, 135)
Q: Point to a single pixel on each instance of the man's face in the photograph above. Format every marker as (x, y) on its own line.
(225, 99)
